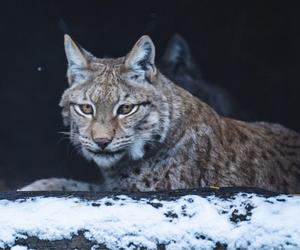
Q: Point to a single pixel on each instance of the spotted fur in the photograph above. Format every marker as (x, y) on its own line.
(173, 140)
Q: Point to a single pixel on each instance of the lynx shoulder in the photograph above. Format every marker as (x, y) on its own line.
(146, 133)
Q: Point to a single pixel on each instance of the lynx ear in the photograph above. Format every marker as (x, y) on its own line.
(78, 62)
(140, 60)
(177, 54)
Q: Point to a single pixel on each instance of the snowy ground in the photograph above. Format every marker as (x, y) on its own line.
(244, 221)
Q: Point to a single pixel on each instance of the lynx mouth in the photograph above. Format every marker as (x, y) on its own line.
(105, 153)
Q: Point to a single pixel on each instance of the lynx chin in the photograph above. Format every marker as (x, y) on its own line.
(146, 133)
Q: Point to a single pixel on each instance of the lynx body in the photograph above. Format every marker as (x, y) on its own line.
(146, 133)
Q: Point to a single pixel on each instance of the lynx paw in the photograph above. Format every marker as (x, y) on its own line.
(60, 184)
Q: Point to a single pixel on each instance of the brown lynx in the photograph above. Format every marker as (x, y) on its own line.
(146, 133)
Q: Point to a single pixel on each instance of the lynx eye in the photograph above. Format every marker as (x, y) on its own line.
(126, 109)
(86, 109)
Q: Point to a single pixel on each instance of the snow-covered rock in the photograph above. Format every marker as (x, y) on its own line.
(190, 221)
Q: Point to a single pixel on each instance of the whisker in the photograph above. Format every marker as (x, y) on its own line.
(74, 142)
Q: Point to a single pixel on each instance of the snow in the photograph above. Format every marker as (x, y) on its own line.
(244, 221)
(18, 247)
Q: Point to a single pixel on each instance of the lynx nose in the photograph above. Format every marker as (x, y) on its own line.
(102, 142)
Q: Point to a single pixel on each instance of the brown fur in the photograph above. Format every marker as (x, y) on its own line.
(185, 144)
(216, 151)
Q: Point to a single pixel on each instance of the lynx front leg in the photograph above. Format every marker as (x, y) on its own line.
(60, 184)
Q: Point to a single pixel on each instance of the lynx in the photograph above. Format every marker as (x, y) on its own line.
(146, 133)
(179, 66)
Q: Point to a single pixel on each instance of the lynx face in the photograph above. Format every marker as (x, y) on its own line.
(112, 105)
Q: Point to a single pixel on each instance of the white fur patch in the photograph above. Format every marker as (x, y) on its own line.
(137, 150)
(104, 161)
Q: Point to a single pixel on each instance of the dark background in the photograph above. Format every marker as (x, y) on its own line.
(251, 49)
